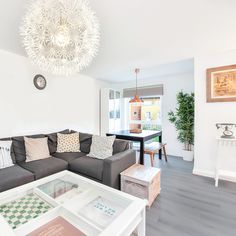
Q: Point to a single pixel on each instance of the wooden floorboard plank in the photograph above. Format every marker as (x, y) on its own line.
(190, 205)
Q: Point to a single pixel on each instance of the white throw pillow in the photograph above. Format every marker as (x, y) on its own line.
(36, 148)
(68, 142)
(5, 154)
(102, 147)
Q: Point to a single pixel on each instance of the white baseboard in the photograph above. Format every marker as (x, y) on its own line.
(211, 174)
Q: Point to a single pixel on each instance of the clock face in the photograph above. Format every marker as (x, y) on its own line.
(40, 82)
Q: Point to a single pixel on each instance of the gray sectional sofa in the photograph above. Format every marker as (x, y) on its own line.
(104, 171)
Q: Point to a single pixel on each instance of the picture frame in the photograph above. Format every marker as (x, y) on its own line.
(221, 84)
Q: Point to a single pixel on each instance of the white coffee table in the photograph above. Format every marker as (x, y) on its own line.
(91, 207)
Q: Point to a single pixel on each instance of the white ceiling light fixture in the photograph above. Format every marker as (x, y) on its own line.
(60, 36)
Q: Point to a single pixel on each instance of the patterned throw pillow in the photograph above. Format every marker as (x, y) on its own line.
(5, 154)
(102, 147)
(68, 142)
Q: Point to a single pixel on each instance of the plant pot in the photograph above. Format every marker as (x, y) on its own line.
(187, 155)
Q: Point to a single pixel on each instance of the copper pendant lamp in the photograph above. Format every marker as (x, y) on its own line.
(136, 98)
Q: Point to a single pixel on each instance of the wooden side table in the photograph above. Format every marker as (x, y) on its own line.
(142, 181)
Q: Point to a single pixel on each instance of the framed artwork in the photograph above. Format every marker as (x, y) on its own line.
(221, 84)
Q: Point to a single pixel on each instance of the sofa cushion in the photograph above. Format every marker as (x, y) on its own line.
(85, 142)
(45, 167)
(88, 166)
(12, 151)
(52, 140)
(68, 142)
(69, 156)
(36, 148)
(102, 147)
(120, 146)
(14, 176)
(5, 154)
(18, 144)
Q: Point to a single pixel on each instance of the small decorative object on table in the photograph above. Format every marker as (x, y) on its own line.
(136, 131)
(61, 189)
(227, 129)
(141, 181)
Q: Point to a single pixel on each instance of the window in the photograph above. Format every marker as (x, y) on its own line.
(146, 116)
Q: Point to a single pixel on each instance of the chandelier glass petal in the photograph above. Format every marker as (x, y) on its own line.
(60, 36)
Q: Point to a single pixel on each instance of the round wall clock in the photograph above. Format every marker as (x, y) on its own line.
(40, 82)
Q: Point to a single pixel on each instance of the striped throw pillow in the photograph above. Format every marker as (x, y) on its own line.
(5, 154)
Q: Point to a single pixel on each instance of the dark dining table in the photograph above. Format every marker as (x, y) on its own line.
(139, 137)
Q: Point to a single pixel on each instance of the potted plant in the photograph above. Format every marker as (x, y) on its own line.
(183, 119)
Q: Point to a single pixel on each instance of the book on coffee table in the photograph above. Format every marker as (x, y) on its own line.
(57, 227)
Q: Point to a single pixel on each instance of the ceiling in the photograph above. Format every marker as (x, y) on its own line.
(147, 34)
(162, 70)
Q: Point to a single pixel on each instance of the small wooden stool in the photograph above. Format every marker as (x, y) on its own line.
(153, 148)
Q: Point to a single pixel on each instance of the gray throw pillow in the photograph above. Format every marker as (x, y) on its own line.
(102, 147)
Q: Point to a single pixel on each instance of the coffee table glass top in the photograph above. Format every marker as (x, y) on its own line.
(62, 189)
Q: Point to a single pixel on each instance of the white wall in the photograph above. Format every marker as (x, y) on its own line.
(67, 102)
(208, 114)
(172, 85)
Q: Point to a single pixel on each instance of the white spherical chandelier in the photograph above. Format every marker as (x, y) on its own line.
(60, 36)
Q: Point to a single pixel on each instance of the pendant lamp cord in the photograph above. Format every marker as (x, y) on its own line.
(137, 71)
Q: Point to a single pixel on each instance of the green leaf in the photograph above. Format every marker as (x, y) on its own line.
(183, 118)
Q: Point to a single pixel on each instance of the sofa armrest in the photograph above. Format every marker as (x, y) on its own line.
(115, 164)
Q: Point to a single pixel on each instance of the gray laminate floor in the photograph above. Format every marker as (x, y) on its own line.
(191, 205)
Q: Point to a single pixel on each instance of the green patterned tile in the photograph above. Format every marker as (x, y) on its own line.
(24, 209)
